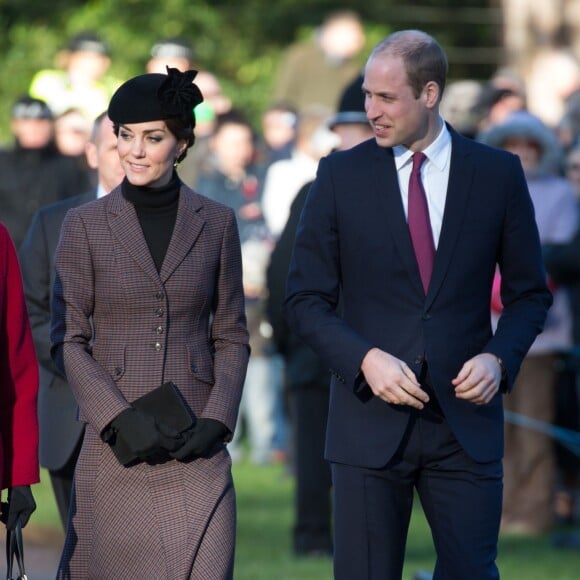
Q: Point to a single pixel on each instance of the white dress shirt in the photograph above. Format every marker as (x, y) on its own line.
(434, 174)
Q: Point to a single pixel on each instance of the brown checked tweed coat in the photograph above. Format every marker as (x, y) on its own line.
(123, 329)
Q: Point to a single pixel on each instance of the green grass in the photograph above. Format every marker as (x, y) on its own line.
(46, 514)
(265, 518)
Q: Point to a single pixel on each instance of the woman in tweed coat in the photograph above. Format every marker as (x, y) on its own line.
(149, 290)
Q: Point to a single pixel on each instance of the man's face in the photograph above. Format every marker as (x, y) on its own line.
(159, 64)
(32, 133)
(233, 146)
(109, 165)
(395, 115)
(278, 128)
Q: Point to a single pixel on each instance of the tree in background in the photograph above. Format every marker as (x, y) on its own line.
(239, 40)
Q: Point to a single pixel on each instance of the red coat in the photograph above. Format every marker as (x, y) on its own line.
(18, 376)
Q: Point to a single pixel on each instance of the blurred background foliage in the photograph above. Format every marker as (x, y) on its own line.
(239, 40)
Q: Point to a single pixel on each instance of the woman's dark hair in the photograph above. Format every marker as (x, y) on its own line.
(182, 128)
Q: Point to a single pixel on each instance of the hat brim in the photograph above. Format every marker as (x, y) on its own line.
(349, 117)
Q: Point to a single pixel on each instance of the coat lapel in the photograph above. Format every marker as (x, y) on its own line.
(126, 228)
(187, 228)
(389, 193)
(459, 189)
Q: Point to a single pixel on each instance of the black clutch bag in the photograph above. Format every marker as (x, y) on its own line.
(167, 406)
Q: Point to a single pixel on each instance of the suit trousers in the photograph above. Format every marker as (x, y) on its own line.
(460, 497)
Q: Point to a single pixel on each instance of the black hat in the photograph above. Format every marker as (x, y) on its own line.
(155, 96)
(172, 48)
(29, 108)
(351, 108)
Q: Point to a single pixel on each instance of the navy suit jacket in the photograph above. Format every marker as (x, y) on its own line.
(57, 408)
(353, 241)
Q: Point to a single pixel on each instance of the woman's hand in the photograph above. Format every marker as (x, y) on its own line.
(19, 506)
(201, 439)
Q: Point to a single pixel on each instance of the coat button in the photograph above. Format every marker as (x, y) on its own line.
(419, 360)
(118, 371)
(157, 346)
(426, 317)
(159, 330)
(159, 312)
(160, 295)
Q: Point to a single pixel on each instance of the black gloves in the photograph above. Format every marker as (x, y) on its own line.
(201, 439)
(142, 437)
(19, 506)
(137, 436)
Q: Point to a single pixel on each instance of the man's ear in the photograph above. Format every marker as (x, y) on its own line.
(431, 92)
(91, 155)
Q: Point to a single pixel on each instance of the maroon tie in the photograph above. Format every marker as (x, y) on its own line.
(419, 222)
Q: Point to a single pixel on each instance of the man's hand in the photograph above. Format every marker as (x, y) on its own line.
(392, 380)
(479, 379)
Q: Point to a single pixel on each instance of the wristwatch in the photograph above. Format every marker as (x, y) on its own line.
(502, 368)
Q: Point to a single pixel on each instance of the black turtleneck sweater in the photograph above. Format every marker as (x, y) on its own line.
(156, 209)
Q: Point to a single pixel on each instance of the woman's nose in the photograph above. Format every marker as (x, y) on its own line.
(137, 148)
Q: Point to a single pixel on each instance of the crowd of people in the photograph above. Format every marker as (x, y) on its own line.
(155, 228)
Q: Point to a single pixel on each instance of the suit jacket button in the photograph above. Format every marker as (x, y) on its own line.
(117, 371)
(426, 317)
(160, 295)
(159, 330)
(157, 346)
(159, 312)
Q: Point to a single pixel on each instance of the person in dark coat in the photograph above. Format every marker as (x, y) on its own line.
(60, 431)
(406, 229)
(148, 291)
(307, 378)
(34, 173)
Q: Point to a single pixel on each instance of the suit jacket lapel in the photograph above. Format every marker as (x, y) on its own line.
(459, 189)
(187, 228)
(389, 193)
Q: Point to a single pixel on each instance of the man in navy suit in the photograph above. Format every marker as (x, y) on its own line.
(418, 375)
(60, 432)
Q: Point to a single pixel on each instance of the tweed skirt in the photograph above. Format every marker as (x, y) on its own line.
(174, 520)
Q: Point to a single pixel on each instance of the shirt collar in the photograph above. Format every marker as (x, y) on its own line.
(437, 152)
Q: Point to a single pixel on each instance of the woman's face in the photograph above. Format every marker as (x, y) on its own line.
(148, 152)
(526, 149)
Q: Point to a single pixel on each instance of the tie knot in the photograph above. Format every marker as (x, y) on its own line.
(418, 160)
